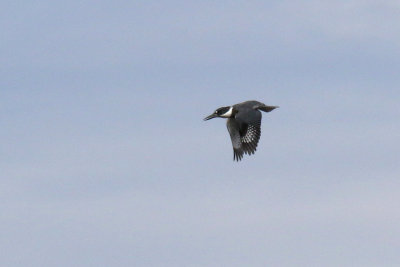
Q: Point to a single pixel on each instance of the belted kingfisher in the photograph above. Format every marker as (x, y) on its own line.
(244, 125)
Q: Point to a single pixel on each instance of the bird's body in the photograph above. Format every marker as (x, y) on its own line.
(244, 125)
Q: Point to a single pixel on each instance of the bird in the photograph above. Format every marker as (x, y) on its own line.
(244, 125)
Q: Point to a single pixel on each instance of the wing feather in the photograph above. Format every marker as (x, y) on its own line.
(233, 129)
(250, 130)
(245, 132)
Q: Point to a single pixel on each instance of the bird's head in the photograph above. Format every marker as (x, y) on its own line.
(224, 112)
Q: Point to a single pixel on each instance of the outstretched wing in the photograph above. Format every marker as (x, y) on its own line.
(245, 132)
(233, 128)
(250, 130)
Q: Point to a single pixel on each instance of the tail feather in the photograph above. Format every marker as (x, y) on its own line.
(266, 108)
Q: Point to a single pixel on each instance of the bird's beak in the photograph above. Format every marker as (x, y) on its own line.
(210, 117)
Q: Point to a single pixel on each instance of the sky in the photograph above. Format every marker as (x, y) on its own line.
(105, 159)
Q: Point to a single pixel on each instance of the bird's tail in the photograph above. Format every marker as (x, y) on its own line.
(266, 108)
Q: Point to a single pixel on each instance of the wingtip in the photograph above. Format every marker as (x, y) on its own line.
(237, 156)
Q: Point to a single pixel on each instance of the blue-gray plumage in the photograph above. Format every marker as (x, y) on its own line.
(244, 125)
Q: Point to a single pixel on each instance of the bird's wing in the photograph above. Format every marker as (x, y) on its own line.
(249, 129)
(233, 128)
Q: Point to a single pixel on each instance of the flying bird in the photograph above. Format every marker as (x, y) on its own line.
(244, 125)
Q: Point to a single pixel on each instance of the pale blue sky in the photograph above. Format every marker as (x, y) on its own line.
(105, 159)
